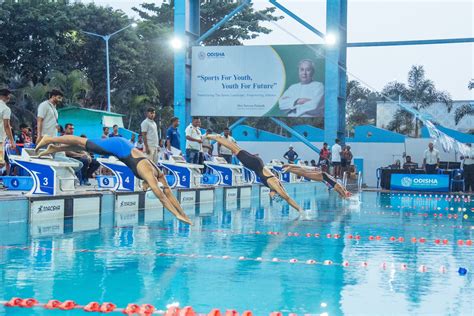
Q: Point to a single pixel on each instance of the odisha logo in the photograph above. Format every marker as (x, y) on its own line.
(48, 208)
(202, 55)
(406, 181)
(425, 181)
(215, 54)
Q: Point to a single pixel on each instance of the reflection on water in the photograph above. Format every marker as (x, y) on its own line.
(124, 265)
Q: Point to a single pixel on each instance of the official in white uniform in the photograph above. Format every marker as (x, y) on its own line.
(306, 98)
(150, 135)
(431, 159)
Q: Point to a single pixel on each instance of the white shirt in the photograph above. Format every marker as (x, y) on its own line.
(49, 114)
(5, 114)
(149, 127)
(336, 153)
(224, 150)
(470, 160)
(431, 156)
(195, 133)
(313, 91)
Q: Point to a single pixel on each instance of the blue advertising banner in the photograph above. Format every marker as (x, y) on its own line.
(420, 182)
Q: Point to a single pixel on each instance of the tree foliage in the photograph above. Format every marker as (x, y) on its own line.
(420, 92)
(465, 109)
(361, 105)
(244, 25)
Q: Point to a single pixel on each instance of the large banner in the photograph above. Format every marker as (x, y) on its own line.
(282, 80)
(420, 182)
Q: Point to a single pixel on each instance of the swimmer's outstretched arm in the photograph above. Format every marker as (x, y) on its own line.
(149, 173)
(276, 186)
(167, 191)
(225, 142)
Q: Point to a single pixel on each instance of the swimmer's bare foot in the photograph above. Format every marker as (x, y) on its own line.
(211, 136)
(42, 143)
(50, 150)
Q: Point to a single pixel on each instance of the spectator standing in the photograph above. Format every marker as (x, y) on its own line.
(173, 143)
(105, 132)
(324, 158)
(193, 141)
(5, 127)
(115, 132)
(150, 135)
(336, 150)
(468, 167)
(48, 115)
(291, 155)
(431, 159)
(223, 151)
(89, 164)
(347, 156)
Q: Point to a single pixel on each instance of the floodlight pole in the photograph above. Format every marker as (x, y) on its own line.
(107, 61)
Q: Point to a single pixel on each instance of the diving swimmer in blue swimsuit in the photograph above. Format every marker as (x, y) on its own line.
(142, 167)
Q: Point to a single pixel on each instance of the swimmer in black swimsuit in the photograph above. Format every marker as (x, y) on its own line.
(142, 167)
(317, 175)
(255, 164)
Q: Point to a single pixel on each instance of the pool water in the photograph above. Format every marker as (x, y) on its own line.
(244, 258)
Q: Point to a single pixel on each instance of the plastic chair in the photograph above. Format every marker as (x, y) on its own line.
(378, 174)
(457, 177)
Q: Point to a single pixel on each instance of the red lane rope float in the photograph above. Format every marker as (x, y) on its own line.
(130, 309)
(104, 307)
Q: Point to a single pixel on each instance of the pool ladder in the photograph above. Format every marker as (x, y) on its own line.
(359, 180)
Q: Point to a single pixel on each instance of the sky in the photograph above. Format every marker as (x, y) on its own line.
(450, 66)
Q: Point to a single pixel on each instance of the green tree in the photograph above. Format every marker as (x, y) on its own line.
(244, 25)
(465, 109)
(419, 91)
(361, 105)
(74, 85)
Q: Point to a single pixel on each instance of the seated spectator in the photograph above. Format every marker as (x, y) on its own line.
(313, 163)
(408, 165)
(396, 165)
(105, 132)
(89, 164)
(115, 132)
(140, 145)
(25, 137)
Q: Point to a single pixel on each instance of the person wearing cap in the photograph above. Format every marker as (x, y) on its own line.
(48, 115)
(291, 155)
(468, 167)
(5, 127)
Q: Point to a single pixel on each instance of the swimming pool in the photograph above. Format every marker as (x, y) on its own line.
(350, 257)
